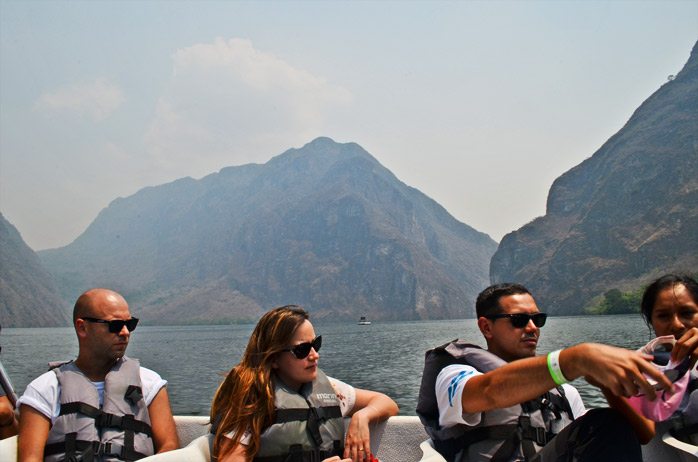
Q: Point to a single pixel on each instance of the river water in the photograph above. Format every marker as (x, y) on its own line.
(386, 357)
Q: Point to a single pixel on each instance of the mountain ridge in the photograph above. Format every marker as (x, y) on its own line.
(28, 296)
(621, 217)
(325, 225)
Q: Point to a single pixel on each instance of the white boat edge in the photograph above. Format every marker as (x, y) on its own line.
(399, 439)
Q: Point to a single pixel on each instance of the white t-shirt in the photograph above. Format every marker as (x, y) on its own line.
(449, 392)
(346, 394)
(44, 392)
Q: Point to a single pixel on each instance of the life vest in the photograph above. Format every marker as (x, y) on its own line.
(119, 430)
(684, 423)
(512, 433)
(308, 425)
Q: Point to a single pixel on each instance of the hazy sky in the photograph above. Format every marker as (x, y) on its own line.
(480, 105)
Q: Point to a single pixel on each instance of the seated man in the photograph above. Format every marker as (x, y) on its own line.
(505, 403)
(103, 404)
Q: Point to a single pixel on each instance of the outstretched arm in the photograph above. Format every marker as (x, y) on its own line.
(370, 406)
(618, 370)
(164, 429)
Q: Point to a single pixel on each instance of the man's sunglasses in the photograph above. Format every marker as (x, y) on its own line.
(115, 325)
(520, 320)
(302, 350)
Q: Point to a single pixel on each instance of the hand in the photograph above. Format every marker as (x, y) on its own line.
(620, 371)
(357, 444)
(686, 345)
(336, 459)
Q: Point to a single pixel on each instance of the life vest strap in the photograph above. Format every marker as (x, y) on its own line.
(303, 414)
(549, 402)
(91, 448)
(511, 434)
(105, 419)
(452, 446)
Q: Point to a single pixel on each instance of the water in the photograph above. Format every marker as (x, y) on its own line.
(387, 357)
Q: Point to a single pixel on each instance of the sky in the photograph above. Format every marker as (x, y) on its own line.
(479, 105)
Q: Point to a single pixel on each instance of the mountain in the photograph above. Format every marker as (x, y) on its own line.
(28, 295)
(325, 226)
(622, 217)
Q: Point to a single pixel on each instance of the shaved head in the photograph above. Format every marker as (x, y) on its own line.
(96, 300)
(100, 346)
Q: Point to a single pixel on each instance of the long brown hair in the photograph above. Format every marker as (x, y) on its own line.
(245, 400)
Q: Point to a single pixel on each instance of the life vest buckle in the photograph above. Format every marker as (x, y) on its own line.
(529, 432)
(104, 449)
(104, 420)
(541, 436)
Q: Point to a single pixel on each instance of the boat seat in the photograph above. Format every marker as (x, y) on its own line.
(665, 447)
(8, 449)
(196, 451)
(394, 440)
(429, 453)
(191, 427)
(397, 439)
(687, 452)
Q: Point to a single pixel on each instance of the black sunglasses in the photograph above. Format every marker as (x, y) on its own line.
(302, 350)
(115, 325)
(520, 320)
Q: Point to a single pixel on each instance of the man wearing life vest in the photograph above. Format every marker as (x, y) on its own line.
(507, 404)
(102, 406)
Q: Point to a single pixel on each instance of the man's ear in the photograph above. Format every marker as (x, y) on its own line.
(81, 328)
(485, 326)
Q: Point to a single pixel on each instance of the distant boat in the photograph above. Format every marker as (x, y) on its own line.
(364, 322)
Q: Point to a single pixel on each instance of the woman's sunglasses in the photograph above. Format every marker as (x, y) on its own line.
(302, 350)
(520, 320)
(115, 325)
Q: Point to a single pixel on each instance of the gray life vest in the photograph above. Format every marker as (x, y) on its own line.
(308, 425)
(513, 433)
(120, 430)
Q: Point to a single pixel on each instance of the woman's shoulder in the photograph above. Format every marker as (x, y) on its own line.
(338, 384)
(346, 394)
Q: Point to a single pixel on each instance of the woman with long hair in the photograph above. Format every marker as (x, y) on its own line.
(276, 402)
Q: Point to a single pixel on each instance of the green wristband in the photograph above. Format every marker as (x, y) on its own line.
(554, 368)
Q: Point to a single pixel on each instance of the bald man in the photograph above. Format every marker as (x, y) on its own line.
(102, 405)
